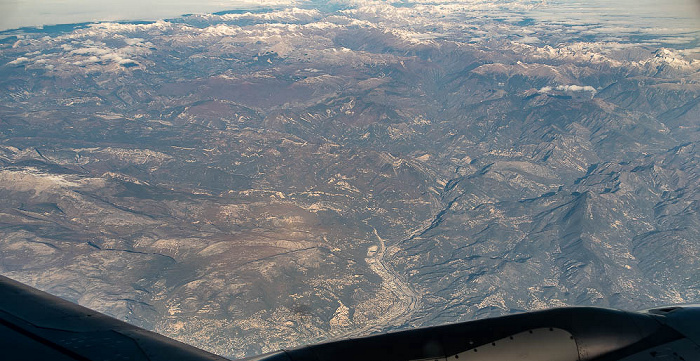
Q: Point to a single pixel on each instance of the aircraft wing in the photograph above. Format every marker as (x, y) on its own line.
(560, 334)
(37, 326)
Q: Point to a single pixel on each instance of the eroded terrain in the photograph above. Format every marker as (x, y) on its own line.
(256, 180)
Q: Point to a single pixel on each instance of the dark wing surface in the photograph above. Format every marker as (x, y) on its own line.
(35, 325)
(562, 334)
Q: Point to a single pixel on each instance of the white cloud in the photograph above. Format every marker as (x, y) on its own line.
(133, 41)
(19, 60)
(576, 88)
(221, 30)
(286, 15)
(529, 40)
(568, 88)
(303, 33)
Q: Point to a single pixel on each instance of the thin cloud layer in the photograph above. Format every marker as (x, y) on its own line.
(568, 88)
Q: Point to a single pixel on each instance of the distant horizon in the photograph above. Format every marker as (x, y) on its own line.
(15, 14)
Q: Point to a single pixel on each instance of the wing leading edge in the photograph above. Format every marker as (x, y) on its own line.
(35, 325)
(561, 334)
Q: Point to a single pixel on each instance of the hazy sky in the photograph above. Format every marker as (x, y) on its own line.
(668, 16)
(687, 9)
(19, 13)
